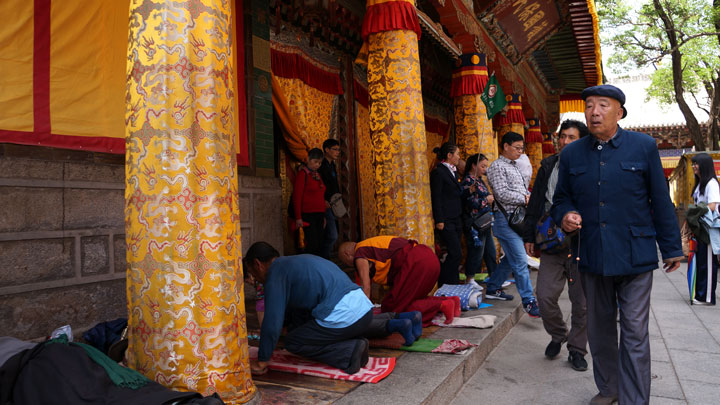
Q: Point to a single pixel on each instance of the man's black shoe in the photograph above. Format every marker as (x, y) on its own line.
(359, 356)
(600, 399)
(553, 349)
(577, 361)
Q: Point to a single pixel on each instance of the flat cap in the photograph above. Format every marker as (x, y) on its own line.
(606, 90)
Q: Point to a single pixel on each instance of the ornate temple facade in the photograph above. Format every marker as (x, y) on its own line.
(144, 145)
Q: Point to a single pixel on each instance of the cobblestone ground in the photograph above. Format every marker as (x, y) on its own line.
(685, 353)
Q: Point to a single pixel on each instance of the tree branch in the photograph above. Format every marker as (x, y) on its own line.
(676, 57)
(697, 102)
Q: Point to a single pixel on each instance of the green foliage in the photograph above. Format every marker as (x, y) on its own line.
(637, 36)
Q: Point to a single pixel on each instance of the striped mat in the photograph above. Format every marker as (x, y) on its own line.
(374, 371)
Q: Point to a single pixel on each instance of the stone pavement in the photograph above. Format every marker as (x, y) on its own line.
(685, 352)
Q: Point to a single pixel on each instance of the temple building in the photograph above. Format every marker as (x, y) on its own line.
(145, 144)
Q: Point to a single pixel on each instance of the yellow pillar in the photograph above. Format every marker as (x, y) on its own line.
(514, 120)
(397, 122)
(473, 130)
(533, 146)
(186, 307)
(548, 148)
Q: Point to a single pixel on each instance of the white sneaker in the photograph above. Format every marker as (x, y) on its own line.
(696, 302)
(475, 285)
(506, 283)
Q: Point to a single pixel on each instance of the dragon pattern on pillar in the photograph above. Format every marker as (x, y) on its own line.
(397, 123)
(186, 307)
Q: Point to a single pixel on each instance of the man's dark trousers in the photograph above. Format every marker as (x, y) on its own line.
(332, 346)
(331, 234)
(623, 371)
(551, 280)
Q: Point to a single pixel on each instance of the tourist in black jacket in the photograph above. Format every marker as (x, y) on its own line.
(447, 209)
(557, 266)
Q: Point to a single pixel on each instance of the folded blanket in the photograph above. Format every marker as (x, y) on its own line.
(374, 371)
(462, 291)
(479, 321)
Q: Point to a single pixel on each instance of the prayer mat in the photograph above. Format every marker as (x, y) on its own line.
(374, 371)
(478, 321)
(447, 346)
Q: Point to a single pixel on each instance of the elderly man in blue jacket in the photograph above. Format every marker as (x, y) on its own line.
(611, 189)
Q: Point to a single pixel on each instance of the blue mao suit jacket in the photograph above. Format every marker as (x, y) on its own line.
(619, 189)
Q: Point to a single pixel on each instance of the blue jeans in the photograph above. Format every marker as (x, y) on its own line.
(475, 254)
(515, 260)
(331, 234)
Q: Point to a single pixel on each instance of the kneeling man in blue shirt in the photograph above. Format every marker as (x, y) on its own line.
(328, 314)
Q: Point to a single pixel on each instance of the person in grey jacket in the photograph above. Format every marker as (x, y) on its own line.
(557, 267)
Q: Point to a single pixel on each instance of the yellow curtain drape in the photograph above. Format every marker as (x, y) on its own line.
(310, 108)
(186, 304)
(366, 173)
(434, 140)
(567, 106)
(16, 65)
(294, 139)
(306, 117)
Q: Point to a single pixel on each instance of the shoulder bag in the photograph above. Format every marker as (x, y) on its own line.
(549, 237)
(516, 219)
(483, 222)
(337, 205)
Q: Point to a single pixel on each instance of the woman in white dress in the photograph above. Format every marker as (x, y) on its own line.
(707, 190)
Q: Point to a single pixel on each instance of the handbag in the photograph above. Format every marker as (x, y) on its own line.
(549, 237)
(685, 236)
(482, 222)
(516, 220)
(337, 205)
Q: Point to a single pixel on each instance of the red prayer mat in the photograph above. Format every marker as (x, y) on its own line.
(374, 371)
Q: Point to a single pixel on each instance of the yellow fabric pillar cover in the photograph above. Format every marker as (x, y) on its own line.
(366, 174)
(534, 153)
(473, 130)
(186, 309)
(397, 127)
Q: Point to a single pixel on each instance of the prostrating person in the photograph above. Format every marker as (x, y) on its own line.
(409, 268)
(327, 315)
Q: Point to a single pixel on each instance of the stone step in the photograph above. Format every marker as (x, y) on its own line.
(427, 378)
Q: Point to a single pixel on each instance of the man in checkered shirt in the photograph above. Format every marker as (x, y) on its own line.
(510, 192)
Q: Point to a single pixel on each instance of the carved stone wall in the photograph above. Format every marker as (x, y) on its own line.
(62, 236)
